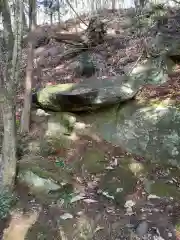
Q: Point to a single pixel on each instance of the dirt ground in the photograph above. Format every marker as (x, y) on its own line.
(99, 215)
(97, 218)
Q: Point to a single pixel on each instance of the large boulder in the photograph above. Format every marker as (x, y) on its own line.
(154, 71)
(97, 93)
(166, 42)
(84, 97)
(148, 130)
(43, 177)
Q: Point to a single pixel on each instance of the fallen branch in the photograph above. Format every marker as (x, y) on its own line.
(75, 12)
(92, 36)
(59, 37)
(67, 55)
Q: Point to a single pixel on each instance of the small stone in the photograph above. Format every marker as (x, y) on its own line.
(142, 229)
(170, 235)
(66, 216)
(129, 204)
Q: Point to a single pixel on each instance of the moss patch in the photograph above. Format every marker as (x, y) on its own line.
(118, 183)
(94, 161)
(163, 189)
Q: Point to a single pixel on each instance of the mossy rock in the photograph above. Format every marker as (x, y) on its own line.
(60, 124)
(45, 93)
(46, 168)
(46, 179)
(85, 97)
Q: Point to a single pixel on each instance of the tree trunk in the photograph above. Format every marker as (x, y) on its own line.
(113, 5)
(25, 118)
(9, 60)
(59, 14)
(24, 21)
(32, 15)
(7, 23)
(8, 161)
(51, 17)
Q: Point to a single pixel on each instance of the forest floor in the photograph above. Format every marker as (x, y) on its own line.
(94, 214)
(98, 217)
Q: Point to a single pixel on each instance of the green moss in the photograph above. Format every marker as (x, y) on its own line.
(163, 189)
(46, 168)
(7, 200)
(118, 183)
(177, 227)
(94, 161)
(46, 92)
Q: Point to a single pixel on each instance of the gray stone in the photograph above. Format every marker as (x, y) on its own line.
(142, 229)
(151, 131)
(37, 183)
(84, 97)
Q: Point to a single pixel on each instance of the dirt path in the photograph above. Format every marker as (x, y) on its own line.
(95, 207)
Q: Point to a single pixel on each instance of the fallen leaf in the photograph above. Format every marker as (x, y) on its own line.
(66, 216)
(109, 168)
(106, 194)
(119, 190)
(88, 200)
(98, 229)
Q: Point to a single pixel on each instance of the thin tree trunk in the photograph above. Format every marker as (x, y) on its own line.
(32, 15)
(25, 118)
(51, 17)
(113, 5)
(7, 24)
(25, 25)
(59, 15)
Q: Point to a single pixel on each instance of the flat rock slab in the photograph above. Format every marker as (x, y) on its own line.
(84, 97)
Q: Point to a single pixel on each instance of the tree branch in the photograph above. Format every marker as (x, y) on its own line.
(68, 2)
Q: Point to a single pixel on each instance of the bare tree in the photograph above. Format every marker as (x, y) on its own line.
(8, 76)
(25, 118)
(113, 5)
(59, 14)
(32, 15)
(25, 25)
(13, 9)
